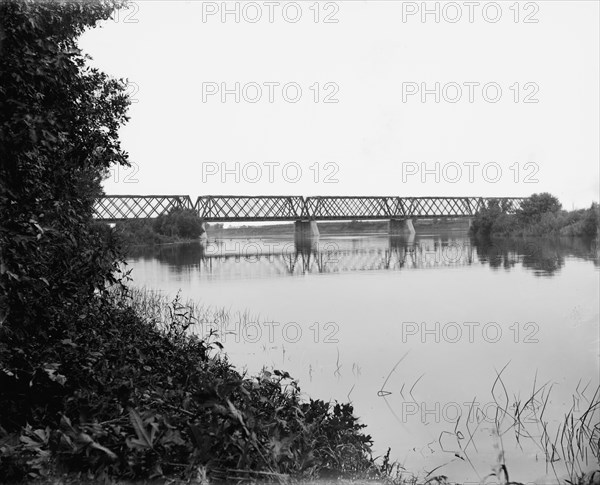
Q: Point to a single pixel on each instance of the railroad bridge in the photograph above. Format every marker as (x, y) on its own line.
(305, 212)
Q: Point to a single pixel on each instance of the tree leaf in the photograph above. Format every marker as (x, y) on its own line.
(145, 438)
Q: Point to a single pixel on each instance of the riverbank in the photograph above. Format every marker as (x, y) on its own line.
(130, 393)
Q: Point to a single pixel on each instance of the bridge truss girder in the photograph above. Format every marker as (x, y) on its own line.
(123, 207)
(249, 208)
(291, 208)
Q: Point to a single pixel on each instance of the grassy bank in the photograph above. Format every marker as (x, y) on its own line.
(572, 441)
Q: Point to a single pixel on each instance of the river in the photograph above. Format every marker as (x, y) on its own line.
(437, 341)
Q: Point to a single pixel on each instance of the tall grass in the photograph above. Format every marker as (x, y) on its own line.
(573, 441)
(178, 315)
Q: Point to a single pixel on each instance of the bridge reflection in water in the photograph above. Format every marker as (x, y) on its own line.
(335, 255)
(278, 256)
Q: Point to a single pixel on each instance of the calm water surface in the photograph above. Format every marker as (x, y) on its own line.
(413, 332)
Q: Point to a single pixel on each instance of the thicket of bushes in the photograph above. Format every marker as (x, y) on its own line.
(540, 215)
(86, 384)
(118, 396)
(177, 225)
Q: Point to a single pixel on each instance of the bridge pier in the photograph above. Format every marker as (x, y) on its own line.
(305, 230)
(401, 227)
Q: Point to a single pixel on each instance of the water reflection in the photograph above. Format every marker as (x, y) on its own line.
(267, 257)
(544, 256)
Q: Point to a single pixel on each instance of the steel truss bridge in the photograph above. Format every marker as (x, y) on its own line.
(235, 208)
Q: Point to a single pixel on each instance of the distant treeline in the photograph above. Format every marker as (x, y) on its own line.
(327, 228)
(182, 225)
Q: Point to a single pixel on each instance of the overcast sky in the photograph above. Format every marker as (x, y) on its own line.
(374, 58)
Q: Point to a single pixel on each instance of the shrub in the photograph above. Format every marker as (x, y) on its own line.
(183, 223)
(483, 223)
(591, 221)
(179, 224)
(139, 231)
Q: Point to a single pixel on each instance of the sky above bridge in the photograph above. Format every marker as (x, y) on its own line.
(357, 98)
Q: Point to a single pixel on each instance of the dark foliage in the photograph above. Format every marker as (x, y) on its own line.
(540, 215)
(117, 396)
(483, 224)
(182, 223)
(176, 226)
(534, 207)
(139, 232)
(58, 136)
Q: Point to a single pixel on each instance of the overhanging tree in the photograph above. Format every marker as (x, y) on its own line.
(59, 121)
